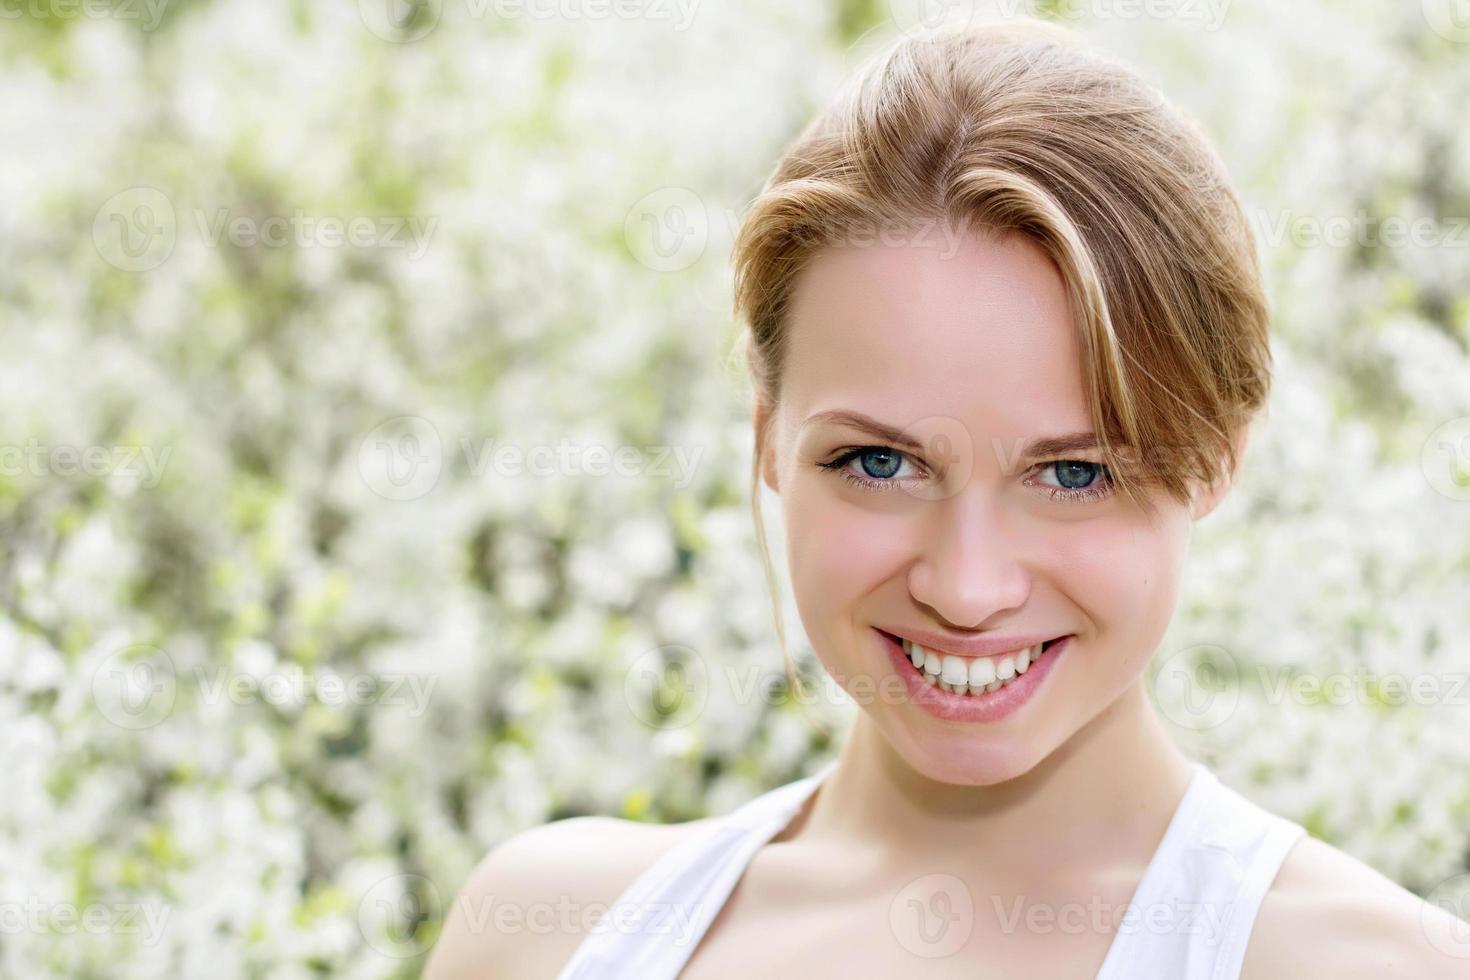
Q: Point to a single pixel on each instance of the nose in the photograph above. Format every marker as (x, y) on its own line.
(968, 571)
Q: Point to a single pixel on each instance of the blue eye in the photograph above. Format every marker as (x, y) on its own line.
(880, 464)
(879, 467)
(1078, 479)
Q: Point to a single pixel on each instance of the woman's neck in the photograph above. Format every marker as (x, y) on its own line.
(1100, 801)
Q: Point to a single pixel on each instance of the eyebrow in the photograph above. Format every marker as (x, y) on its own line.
(866, 423)
(1045, 447)
(1072, 442)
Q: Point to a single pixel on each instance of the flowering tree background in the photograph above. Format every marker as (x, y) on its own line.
(373, 469)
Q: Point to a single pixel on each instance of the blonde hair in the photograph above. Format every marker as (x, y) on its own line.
(1014, 127)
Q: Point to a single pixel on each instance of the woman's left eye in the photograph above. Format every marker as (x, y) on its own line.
(875, 467)
(1078, 479)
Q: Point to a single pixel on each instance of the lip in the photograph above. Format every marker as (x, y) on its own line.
(979, 645)
(973, 708)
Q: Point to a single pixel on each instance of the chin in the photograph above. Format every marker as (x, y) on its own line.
(965, 760)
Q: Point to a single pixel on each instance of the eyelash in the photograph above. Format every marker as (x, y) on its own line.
(1097, 490)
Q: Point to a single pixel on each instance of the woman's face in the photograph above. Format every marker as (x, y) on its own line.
(956, 532)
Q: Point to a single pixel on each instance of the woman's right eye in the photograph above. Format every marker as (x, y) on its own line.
(874, 467)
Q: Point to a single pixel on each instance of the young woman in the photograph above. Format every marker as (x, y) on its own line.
(1008, 337)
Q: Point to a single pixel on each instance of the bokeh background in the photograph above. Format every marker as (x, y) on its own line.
(373, 466)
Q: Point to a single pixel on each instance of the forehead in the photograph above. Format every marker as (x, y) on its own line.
(971, 327)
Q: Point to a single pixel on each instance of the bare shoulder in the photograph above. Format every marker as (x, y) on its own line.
(531, 900)
(1329, 914)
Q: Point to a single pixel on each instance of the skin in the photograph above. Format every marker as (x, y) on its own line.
(1059, 804)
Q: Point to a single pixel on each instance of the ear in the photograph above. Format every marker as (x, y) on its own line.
(765, 446)
(1210, 498)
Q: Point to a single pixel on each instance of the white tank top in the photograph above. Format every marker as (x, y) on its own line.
(1210, 872)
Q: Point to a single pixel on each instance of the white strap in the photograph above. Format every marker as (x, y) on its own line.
(652, 929)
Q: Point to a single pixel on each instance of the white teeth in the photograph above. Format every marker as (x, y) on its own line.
(982, 671)
(976, 676)
(1024, 658)
(955, 672)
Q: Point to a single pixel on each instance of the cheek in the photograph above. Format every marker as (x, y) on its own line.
(838, 554)
(1125, 577)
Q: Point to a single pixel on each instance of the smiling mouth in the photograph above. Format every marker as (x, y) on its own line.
(971, 676)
